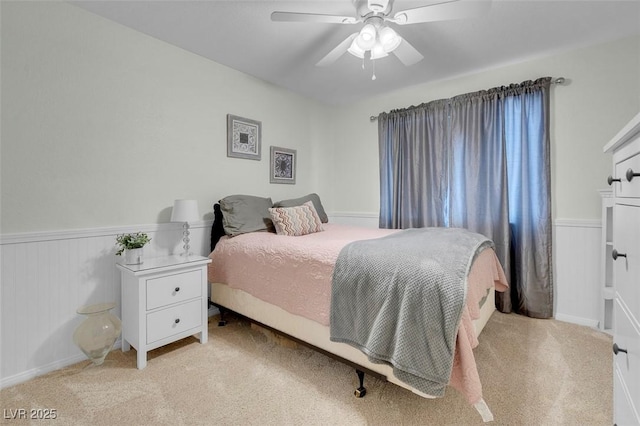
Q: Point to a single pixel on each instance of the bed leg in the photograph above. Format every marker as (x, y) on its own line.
(222, 321)
(361, 391)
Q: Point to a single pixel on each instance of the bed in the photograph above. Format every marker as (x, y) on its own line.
(285, 282)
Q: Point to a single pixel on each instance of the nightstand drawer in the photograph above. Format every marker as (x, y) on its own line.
(173, 320)
(174, 288)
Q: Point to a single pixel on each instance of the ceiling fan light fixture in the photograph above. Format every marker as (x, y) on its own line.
(378, 51)
(375, 39)
(356, 50)
(367, 37)
(389, 39)
(364, 44)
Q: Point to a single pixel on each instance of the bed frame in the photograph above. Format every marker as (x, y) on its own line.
(312, 334)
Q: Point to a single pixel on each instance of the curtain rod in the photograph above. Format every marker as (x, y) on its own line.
(559, 80)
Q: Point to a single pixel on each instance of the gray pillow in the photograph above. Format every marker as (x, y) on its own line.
(245, 213)
(314, 198)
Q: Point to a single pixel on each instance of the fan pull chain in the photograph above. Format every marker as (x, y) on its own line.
(373, 77)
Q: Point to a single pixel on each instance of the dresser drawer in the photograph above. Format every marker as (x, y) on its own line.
(173, 288)
(627, 337)
(627, 269)
(176, 319)
(627, 188)
(623, 412)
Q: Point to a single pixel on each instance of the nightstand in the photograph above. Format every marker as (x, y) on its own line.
(164, 299)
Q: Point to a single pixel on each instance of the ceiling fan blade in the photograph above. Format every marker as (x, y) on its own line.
(407, 54)
(312, 17)
(337, 51)
(446, 10)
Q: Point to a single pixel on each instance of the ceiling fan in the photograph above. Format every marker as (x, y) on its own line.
(376, 39)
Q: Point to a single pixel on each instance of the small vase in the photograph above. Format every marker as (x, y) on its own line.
(133, 256)
(96, 335)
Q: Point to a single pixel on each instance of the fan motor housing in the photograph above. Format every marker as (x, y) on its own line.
(368, 7)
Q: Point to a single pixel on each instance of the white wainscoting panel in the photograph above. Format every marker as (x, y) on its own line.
(577, 259)
(47, 276)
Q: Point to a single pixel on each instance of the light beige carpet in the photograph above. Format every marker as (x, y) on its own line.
(534, 372)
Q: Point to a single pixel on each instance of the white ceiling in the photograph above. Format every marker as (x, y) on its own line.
(241, 35)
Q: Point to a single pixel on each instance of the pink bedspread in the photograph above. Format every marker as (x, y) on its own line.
(295, 274)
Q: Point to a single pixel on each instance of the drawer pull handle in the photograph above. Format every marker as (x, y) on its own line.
(631, 175)
(616, 255)
(177, 289)
(177, 320)
(610, 180)
(617, 349)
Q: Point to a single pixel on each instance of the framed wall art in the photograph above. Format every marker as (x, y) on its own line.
(283, 165)
(243, 137)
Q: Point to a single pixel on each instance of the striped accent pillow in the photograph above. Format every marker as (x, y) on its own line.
(296, 221)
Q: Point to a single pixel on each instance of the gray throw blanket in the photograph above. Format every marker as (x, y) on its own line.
(399, 299)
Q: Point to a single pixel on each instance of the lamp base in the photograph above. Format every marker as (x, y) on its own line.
(185, 239)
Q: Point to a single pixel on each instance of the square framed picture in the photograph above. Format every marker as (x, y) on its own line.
(283, 165)
(243, 137)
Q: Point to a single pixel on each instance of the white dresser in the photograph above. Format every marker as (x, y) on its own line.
(625, 254)
(164, 299)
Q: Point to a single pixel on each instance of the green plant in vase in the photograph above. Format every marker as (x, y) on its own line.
(131, 245)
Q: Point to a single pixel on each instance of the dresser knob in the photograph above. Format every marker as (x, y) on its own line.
(177, 320)
(617, 349)
(177, 289)
(631, 175)
(610, 180)
(616, 255)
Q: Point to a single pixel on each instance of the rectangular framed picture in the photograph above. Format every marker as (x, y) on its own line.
(243, 137)
(283, 165)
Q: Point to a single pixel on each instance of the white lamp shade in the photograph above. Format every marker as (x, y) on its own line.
(367, 37)
(390, 39)
(185, 211)
(355, 50)
(368, 33)
(378, 52)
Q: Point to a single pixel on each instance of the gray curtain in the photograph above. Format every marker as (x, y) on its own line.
(415, 142)
(478, 161)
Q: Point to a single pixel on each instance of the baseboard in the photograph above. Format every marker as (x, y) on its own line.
(577, 320)
(24, 376)
(39, 371)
